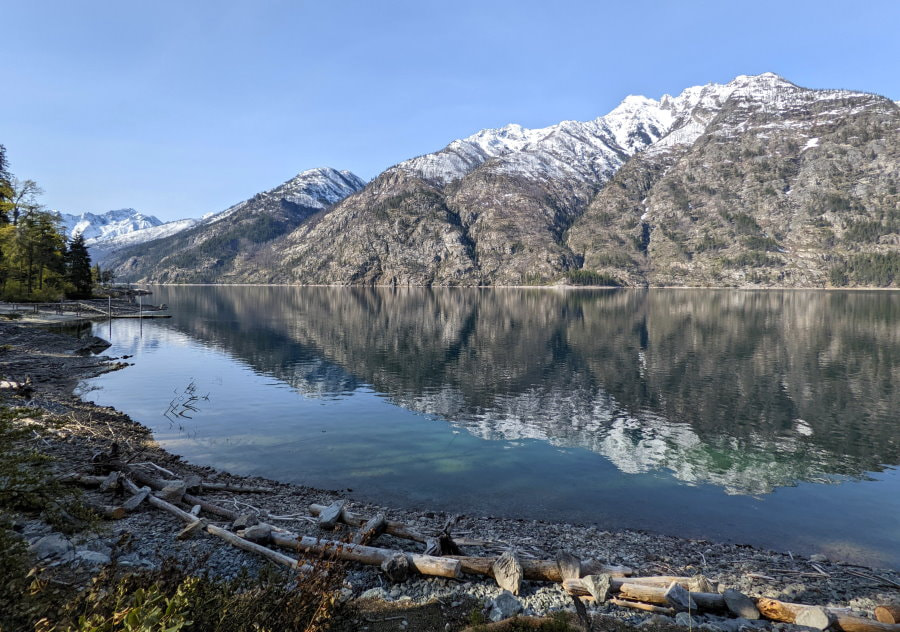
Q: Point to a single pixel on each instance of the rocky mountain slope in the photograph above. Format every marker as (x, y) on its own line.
(230, 245)
(755, 182)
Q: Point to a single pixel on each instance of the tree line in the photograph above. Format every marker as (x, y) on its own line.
(37, 261)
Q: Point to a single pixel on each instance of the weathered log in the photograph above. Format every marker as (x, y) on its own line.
(852, 623)
(397, 529)
(671, 596)
(229, 537)
(371, 530)
(396, 567)
(243, 521)
(569, 566)
(740, 605)
(541, 570)
(424, 564)
(888, 613)
(680, 599)
(210, 507)
(259, 533)
(240, 489)
(269, 554)
(508, 572)
(637, 605)
(580, 586)
(331, 515)
(811, 616)
(132, 503)
(111, 481)
(191, 529)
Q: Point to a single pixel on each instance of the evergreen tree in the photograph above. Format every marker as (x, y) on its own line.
(6, 189)
(78, 268)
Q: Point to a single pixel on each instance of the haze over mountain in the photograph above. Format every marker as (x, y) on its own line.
(754, 182)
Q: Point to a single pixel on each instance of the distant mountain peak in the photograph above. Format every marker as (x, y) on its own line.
(111, 224)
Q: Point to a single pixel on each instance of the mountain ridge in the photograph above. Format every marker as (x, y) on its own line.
(513, 206)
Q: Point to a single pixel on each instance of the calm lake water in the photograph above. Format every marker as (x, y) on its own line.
(770, 418)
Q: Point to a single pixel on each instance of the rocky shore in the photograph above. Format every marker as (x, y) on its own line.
(145, 538)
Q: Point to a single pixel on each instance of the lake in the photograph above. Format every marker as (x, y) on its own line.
(759, 417)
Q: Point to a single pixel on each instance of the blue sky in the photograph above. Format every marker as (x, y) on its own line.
(183, 108)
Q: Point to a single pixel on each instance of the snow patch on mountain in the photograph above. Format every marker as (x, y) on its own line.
(145, 234)
(315, 188)
(106, 225)
(592, 150)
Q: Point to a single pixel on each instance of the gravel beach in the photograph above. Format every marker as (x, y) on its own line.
(55, 363)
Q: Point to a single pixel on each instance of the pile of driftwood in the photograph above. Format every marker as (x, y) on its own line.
(584, 580)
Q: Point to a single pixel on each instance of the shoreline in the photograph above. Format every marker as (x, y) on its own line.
(47, 357)
(560, 286)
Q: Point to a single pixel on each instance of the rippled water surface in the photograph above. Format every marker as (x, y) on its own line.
(770, 418)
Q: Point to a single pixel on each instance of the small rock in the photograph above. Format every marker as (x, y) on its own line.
(683, 618)
(91, 558)
(656, 620)
(375, 593)
(818, 558)
(504, 606)
(51, 546)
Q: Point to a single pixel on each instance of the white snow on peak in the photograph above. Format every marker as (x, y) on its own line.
(595, 149)
(143, 235)
(316, 188)
(94, 227)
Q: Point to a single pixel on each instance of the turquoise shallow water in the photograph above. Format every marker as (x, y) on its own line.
(769, 418)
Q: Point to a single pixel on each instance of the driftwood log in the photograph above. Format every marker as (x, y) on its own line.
(392, 527)
(424, 564)
(508, 573)
(231, 538)
(647, 607)
(371, 530)
(888, 613)
(541, 570)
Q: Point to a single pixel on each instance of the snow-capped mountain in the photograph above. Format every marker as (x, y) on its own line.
(775, 168)
(312, 189)
(214, 246)
(106, 225)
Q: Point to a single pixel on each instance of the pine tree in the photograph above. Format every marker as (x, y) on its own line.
(78, 268)
(6, 189)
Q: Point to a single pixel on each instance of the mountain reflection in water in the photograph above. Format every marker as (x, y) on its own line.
(742, 390)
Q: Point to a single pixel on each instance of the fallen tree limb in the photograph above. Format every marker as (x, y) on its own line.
(392, 527)
(888, 613)
(852, 623)
(424, 564)
(231, 538)
(637, 605)
(543, 570)
(154, 483)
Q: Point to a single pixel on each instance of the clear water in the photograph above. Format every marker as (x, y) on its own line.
(769, 418)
